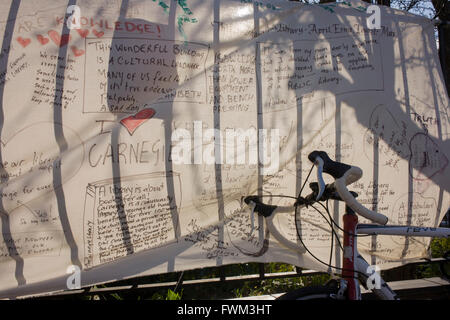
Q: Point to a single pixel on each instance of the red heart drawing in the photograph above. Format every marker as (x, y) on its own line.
(98, 34)
(77, 52)
(42, 40)
(133, 122)
(58, 39)
(83, 32)
(23, 41)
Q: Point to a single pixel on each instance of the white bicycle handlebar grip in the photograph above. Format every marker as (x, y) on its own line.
(350, 176)
(319, 163)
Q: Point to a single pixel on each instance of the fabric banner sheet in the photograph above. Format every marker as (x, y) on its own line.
(131, 130)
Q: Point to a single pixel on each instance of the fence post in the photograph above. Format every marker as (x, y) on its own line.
(261, 270)
(222, 273)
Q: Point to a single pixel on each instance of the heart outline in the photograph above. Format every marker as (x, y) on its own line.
(77, 52)
(131, 123)
(98, 34)
(59, 40)
(42, 40)
(83, 32)
(24, 42)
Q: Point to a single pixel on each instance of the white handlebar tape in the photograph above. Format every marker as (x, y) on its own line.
(352, 175)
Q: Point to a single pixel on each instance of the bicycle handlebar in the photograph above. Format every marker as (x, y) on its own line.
(266, 211)
(263, 209)
(329, 193)
(344, 175)
(333, 168)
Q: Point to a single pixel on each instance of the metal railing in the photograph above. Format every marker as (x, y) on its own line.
(141, 285)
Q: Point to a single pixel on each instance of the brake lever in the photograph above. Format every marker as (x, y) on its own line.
(319, 163)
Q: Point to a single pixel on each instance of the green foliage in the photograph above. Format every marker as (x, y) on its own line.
(157, 296)
(171, 295)
(438, 247)
(116, 296)
(278, 267)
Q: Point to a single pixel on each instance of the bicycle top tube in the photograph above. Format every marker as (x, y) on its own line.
(400, 230)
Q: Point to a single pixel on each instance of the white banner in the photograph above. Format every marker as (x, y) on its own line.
(131, 130)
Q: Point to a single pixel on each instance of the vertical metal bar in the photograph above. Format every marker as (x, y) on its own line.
(350, 254)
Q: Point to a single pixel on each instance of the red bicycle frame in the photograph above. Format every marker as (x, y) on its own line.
(350, 254)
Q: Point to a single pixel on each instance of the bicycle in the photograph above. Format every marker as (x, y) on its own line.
(355, 270)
